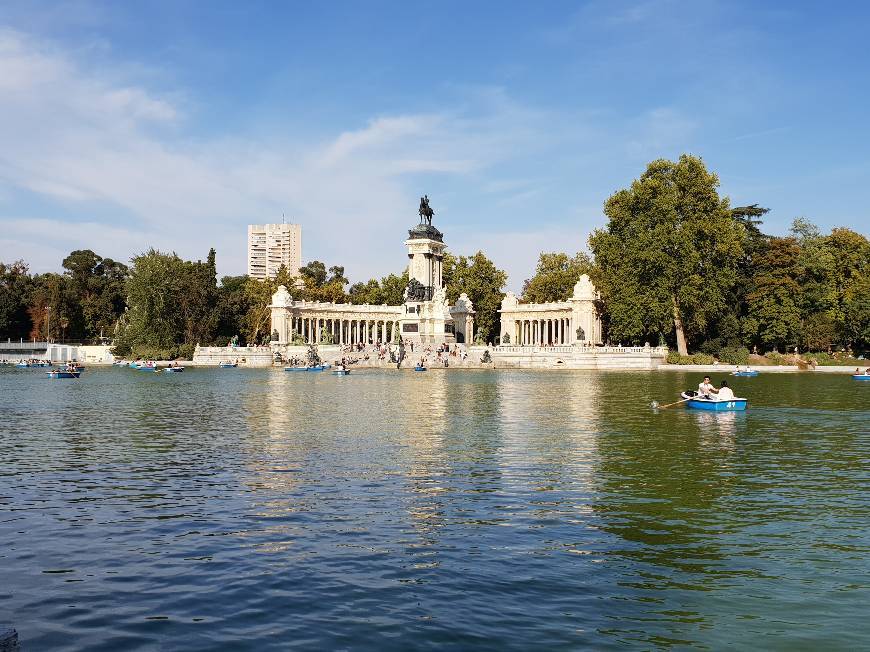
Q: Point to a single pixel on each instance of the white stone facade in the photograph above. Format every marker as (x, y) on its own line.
(317, 322)
(424, 317)
(572, 321)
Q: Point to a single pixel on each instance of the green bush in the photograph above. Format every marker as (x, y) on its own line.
(776, 358)
(702, 358)
(828, 360)
(676, 358)
(734, 355)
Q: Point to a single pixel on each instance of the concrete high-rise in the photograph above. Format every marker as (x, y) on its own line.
(273, 245)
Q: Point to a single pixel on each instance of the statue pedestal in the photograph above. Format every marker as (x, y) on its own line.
(427, 322)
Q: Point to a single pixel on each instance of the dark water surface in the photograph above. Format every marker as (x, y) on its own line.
(256, 509)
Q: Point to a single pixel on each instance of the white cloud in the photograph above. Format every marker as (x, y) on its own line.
(81, 139)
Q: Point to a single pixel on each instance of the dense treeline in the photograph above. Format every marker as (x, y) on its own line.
(162, 306)
(83, 303)
(676, 263)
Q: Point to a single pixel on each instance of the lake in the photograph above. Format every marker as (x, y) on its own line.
(447, 510)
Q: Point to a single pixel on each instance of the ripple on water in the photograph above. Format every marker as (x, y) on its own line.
(500, 510)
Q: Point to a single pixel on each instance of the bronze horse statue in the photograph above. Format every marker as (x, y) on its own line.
(425, 211)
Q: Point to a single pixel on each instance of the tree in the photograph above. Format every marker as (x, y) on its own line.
(774, 316)
(15, 285)
(555, 277)
(313, 274)
(667, 259)
(388, 291)
(98, 287)
(482, 281)
(172, 305)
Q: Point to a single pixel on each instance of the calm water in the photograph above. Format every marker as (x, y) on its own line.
(256, 509)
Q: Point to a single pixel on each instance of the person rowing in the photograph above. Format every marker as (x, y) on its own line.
(706, 388)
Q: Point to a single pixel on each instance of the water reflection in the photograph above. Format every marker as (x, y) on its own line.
(512, 509)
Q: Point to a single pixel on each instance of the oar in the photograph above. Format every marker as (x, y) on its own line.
(655, 406)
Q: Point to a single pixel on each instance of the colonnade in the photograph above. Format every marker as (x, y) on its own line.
(543, 332)
(344, 331)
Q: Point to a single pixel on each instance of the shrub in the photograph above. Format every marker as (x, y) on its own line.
(702, 358)
(776, 358)
(734, 355)
(676, 358)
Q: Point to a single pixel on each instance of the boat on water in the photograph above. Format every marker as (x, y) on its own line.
(174, 370)
(316, 367)
(700, 403)
(419, 368)
(148, 367)
(341, 371)
(63, 373)
(22, 365)
(751, 373)
(228, 365)
(861, 376)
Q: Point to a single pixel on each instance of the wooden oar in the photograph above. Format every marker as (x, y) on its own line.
(661, 407)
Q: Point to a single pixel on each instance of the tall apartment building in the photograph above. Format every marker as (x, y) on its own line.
(273, 245)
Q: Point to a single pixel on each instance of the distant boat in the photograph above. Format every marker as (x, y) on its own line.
(174, 370)
(745, 374)
(317, 367)
(698, 403)
(341, 371)
(419, 368)
(62, 373)
(228, 365)
(861, 376)
(148, 367)
(22, 365)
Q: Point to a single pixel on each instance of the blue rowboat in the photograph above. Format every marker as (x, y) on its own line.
(227, 365)
(174, 370)
(61, 373)
(317, 367)
(295, 368)
(861, 376)
(735, 404)
(22, 365)
(341, 372)
(419, 368)
(147, 368)
(745, 374)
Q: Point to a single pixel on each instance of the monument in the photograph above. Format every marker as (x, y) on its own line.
(426, 317)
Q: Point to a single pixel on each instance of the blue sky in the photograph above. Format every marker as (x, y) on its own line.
(175, 124)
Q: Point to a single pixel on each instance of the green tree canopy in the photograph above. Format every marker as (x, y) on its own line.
(15, 286)
(555, 277)
(482, 281)
(667, 259)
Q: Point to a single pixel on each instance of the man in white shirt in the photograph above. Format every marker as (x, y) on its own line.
(706, 388)
(725, 393)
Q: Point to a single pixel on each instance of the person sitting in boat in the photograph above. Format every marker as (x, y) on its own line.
(725, 392)
(706, 388)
